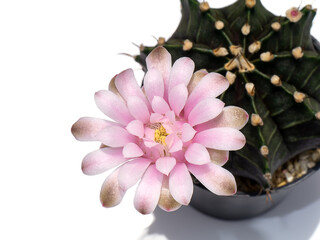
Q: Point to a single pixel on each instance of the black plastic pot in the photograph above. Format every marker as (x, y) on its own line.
(241, 205)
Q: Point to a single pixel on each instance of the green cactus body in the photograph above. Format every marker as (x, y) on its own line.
(273, 66)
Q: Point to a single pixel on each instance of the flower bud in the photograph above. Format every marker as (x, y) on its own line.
(219, 25)
(297, 52)
(266, 56)
(187, 45)
(254, 47)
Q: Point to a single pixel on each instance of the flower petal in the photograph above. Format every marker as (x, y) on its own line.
(160, 59)
(159, 105)
(165, 164)
(128, 86)
(180, 184)
(153, 84)
(197, 154)
(215, 178)
(138, 109)
(221, 139)
(218, 157)
(231, 116)
(86, 128)
(177, 98)
(148, 191)
(102, 160)
(181, 72)
(136, 128)
(210, 86)
(155, 117)
(196, 77)
(176, 145)
(131, 172)
(111, 194)
(205, 110)
(132, 150)
(166, 201)
(187, 132)
(112, 106)
(112, 87)
(115, 136)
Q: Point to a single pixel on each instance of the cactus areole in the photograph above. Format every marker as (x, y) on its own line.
(273, 66)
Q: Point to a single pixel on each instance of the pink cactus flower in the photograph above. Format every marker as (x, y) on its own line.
(161, 133)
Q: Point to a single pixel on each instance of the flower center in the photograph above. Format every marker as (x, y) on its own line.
(160, 135)
(294, 13)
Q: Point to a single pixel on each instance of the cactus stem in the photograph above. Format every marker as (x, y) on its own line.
(213, 19)
(187, 45)
(261, 74)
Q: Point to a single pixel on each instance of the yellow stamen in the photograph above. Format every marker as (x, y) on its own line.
(160, 135)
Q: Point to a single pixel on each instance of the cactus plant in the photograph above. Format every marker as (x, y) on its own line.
(273, 66)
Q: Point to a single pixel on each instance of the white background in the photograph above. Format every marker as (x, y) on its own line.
(54, 55)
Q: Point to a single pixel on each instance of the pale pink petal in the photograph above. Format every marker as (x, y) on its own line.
(127, 86)
(177, 98)
(231, 116)
(150, 143)
(218, 157)
(86, 128)
(165, 164)
(166, 201)
(102, 160)
(115, 136)
(180, 184)
(148, 191)
(197, 154)
(181, 72)
(210, 86)
(111, 194)
(176, 145)
(131, 172)
(159, 105)
(205, 110)
(196, 78)
(112, 106)
(153, 84)
(215, 178)
(155, 117)
(160, 59)
(187, 132)
(136, 128)
(171, 116)
(221, 139)
(138, 109)
(132, 150)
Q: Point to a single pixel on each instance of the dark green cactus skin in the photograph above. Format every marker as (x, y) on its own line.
(288, 127)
